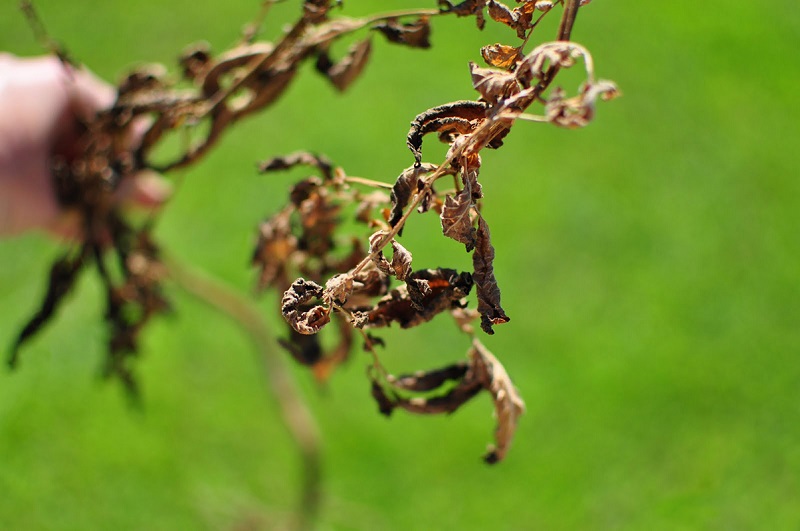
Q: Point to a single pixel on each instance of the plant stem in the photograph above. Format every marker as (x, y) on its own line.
(297, 418)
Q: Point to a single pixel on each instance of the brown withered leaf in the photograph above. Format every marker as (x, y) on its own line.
(299, 158)
(508, 404)
(578, 111)
(369, 283)
(542, 58)
(294, 307)
(502, 14)
(305, 349)
(325, 366)
(421, 381)
(465, 9)
(319, 217)
(464, 318)
(482, 372)
(446, 288)
(494, 85)
(343, 73)
(456, 219)
(375, 250)
(405, 187)
(400, 267)
(401, 261)
(385, 404)
(485, 283)
(367, 203)
(415, 34)
(274, 247)
(446, 402)
(501, 55)
(338, 288)
(449, 120)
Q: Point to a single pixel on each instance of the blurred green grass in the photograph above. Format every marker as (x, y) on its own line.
(649, 263)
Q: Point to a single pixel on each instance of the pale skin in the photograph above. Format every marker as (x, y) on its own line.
(41, 105)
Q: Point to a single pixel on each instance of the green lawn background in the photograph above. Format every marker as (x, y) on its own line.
(649, 263)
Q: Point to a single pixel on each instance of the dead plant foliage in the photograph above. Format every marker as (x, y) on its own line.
(308, 250)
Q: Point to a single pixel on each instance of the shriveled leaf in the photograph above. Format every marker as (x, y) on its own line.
(485, 282)
(449, 120)
(319, 217)
(465, 9)
(294, 308)
(400, 267)
(445, 288)
(501, 55)
(578, 111)
(464, 318)
(493, 85)
(401, 261)
(343, 73)
(431, 380)
(385, 404)
(304, 348)
(456, 220)
(388, 398)
(299, 158)
(275, 246)
(338, 289)
(405, 187)
(508, 404)
(501, 13)
(331, 359)
(367, 203)
(415, 34)
(559, 54)
(380, 261)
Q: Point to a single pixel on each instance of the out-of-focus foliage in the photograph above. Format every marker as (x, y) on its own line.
(655, 335)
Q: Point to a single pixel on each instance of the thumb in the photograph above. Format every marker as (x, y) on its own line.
(147, 189)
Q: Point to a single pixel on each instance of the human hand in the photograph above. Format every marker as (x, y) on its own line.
(41, 108)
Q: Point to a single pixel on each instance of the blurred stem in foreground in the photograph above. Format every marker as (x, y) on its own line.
(295, 414)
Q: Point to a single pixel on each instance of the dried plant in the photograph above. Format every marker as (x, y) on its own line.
(311, 251)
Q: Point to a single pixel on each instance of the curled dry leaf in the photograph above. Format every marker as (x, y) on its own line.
(485, 283)
(405, 187)
(343, 73)
(578, 111)
(449, 120)
(299, 158)
(456, 220)
(428, 380)
(274, 248)
(501, 13)
(493, 85)
(508, 404)
(465, 9)
(482, 372)
(444, 290)
(304, 320)
(415, 34)
(501, 55)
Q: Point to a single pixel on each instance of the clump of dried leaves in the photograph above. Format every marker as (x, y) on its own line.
(304, 251)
